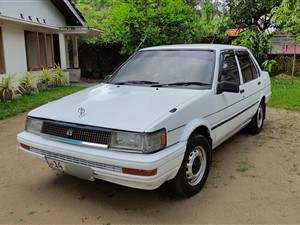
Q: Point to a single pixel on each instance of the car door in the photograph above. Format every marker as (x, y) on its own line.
(251, 86)
(229, 114)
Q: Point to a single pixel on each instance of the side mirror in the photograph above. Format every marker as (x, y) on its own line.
(227, 86)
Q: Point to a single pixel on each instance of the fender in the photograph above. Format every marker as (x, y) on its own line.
(192, 126)
(267, 85)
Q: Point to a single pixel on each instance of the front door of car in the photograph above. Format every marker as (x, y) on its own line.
(228, 106)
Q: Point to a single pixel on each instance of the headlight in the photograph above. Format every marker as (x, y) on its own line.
(33, 125)
(139, 142)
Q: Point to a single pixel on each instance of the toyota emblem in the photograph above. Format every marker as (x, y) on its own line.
(81, 112)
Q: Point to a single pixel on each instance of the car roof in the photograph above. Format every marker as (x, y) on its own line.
(216, 47)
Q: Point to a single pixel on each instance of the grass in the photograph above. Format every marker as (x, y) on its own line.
(244, 166)
(25, 103)
(285, 92)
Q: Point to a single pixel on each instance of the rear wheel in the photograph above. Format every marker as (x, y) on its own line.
(195, 167)
(257, 121)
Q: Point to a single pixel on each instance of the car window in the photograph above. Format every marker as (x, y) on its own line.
(163, 67)
(249, 71)
(229, 69)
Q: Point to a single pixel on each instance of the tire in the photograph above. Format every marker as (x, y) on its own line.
(257, 121)
(195, 167)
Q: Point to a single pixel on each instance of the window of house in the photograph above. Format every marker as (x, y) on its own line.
(2, 64)
(39, 50)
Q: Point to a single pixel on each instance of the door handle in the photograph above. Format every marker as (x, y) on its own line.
(242, 91)
(259, 83)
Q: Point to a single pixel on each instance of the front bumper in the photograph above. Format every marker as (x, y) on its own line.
(108, 165)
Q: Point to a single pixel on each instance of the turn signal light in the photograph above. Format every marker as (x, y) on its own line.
(144, 173)
(163, 139)
(26, 147)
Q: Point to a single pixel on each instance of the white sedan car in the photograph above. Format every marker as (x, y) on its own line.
(156, 119)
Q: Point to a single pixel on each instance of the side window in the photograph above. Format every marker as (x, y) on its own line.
(249, 71)
(229, 69)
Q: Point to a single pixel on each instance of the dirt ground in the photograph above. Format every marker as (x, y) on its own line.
(254, 179)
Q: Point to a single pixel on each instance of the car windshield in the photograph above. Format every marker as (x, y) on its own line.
(167, 68)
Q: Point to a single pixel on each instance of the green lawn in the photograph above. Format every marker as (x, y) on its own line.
(25, 103)
(285, 93)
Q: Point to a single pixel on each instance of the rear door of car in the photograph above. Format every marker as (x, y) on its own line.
(251, 85)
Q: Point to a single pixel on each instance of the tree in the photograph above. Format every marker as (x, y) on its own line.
(140, 23)
(246, 13)
(288, 17)
(288, 20)
(257, 42)
(94, 11)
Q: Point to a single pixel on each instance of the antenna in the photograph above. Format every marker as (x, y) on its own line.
(140, 44)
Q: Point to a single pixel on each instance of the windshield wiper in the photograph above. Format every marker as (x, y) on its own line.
(135, 82)
(181, 84)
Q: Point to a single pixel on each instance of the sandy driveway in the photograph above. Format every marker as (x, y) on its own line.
(254, 179)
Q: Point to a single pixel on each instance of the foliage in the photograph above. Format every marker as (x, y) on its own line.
(26, 85)
(269, 64)
(191, 3)
(247, 12)
(58, 77)
(99, 59)
(208, 10)
(45, 77)
(285, 92)
(288, 20)
(288, 17)
(25, 103)
(257, 42)
(137, 23)
(6, 89)
(94, 11)
(284, 64)
(213, 31)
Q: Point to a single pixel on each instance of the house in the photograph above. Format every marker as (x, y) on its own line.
(38, 33)
(283, 44)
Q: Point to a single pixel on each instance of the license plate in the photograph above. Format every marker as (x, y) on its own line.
(79, 171)
(56, 164)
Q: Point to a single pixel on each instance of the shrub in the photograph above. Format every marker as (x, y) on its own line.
(7, 92)
(26, 86)
(59, 78)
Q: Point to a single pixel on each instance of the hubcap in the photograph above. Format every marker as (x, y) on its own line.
(259, 116)
(196, 165)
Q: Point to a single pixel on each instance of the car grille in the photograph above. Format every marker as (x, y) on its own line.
(66, 131)
(75, 160)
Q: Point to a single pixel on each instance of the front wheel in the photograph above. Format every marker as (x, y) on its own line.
(195, 167)
(257, 121)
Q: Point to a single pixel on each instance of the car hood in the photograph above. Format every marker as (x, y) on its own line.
(122, 107)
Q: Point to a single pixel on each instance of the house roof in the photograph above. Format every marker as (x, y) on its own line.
(71, 13)
(75, 22)
(80, 30)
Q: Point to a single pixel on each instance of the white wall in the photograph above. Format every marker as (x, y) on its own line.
(13, 29)
(14, 48)
(41, 9)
